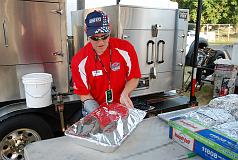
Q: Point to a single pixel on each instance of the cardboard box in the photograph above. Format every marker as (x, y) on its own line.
(224, 80)
(205, 142)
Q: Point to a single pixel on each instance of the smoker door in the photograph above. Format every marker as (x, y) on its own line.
(32, 31)
(143, 44)
(146, 48)
(152, 52)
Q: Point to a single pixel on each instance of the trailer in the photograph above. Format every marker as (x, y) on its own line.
(34, 39)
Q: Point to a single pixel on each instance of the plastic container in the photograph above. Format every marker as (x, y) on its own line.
(37, 89)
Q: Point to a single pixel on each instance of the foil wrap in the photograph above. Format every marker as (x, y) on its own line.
(229, 103)
(220, 114)
(106, 127)
(230, 129)
(235, 114)
(210, 116)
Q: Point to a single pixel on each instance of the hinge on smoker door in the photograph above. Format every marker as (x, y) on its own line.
(182, 36)
(180, 64)
(59, 11)
(59, 53)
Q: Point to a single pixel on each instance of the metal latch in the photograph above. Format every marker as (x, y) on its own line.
(125, 36)
(154, 30)
(182, 36)
(59, 11)
(153, 73)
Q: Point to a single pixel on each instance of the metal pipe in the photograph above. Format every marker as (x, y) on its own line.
(193, 99)
(80, 4)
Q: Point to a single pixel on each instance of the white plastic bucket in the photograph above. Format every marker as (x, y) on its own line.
(37, 89)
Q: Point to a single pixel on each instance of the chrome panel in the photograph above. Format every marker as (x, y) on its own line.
(33, 39)
(9, 83)
(177, 79)
(144, 18)
(166, 81)
(163, 82)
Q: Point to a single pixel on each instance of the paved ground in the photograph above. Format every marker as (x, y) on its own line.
(217, 47)
(226, 48)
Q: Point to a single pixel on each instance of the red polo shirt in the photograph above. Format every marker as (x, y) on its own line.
(90, 76)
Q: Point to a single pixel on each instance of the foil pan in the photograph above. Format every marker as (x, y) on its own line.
(106, 127)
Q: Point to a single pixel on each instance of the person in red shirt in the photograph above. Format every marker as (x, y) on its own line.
(106, 69)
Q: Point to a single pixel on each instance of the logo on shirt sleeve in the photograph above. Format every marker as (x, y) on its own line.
(97, 73)
(115, 66)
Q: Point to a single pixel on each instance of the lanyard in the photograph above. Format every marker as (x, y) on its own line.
(104, 68)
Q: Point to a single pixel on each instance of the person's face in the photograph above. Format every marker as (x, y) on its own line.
(99, 42)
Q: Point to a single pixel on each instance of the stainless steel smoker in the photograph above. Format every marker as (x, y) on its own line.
(159, 38)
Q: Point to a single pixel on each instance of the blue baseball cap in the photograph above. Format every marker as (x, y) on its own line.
(97, 22)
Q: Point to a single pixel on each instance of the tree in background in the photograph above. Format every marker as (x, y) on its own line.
(230, 14)
(214, 11)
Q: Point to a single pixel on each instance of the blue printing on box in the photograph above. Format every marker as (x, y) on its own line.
(220, 139)
(208, 153)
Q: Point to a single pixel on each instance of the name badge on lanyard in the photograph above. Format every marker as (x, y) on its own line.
(109, 96)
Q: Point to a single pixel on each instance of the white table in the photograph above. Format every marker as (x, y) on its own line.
(150, 140)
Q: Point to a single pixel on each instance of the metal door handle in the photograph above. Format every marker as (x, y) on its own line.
(5, 33)
(150, 52)
(158, 50)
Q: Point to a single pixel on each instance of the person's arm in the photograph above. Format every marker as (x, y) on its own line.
(125, 95)
(85, 97)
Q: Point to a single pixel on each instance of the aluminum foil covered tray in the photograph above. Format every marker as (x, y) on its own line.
(106, 128)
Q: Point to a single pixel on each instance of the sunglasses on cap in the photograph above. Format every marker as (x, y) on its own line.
(103, 37)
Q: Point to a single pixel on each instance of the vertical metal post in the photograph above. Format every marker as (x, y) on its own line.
(218, 32)
(207, 28)
(118, 1)
(80, 4)
(229, 31)
(193, 99)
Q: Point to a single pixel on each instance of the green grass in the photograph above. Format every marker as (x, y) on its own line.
(203, 94)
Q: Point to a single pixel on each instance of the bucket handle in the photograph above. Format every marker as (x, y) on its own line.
(37, 96)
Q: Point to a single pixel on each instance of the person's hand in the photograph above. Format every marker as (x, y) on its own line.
(125, 100)
(90, 105)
